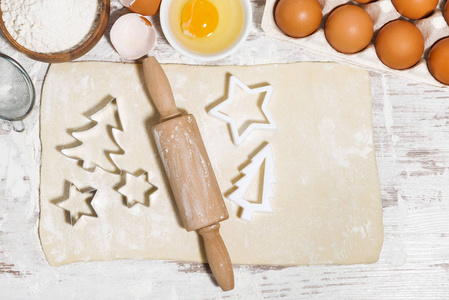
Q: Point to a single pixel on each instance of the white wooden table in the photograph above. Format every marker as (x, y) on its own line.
(411, 135)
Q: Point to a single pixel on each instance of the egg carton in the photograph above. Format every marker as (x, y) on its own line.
(433, 28)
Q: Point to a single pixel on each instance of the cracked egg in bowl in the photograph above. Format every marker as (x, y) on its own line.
(205, 29)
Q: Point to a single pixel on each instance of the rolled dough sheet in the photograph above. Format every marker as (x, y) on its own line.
(327, 205)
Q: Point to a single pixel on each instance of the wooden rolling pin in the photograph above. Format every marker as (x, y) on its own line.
(189, 171)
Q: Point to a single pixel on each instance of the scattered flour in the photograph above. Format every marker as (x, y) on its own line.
(5, 89)
(50, 26)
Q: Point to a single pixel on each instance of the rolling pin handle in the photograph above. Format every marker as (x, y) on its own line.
(218, 256)
(159, 89)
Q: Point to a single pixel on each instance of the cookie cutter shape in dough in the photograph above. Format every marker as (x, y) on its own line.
(97, 142)
(78, 204)
(137, 189)
(236, 136)
(250, 171)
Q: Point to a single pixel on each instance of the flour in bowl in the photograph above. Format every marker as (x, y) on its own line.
(50, 26)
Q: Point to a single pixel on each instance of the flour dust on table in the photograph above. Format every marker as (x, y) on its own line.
(326, 206)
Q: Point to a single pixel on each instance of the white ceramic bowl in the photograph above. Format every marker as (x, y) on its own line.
(164, 18)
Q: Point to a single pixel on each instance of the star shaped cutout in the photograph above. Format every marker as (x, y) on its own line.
(78, 204)
(137, 189)
(236, 136)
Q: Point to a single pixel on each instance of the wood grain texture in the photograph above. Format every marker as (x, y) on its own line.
(160, 90)
(182, 151)
(197, 193)
(411, 135)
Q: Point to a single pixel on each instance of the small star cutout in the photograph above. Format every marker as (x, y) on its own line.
(137, 189)
(236, 137)
(78, 204)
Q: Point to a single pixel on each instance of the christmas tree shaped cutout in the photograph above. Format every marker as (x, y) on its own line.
(98, 142)
(263, 159)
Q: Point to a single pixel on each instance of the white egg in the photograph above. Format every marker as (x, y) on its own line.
(133, 36)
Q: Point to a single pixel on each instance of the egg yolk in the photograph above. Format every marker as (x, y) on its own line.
(199, 18)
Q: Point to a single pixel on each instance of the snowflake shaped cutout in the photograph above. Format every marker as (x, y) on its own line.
(236, 136)
(137, 189)
(78, 204)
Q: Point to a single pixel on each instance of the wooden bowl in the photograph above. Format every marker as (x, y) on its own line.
(69, 55)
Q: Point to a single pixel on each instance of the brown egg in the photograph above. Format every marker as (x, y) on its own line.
(298, 18)
(364, 1)
(349, 29)
(415, 9)
(399, 44)
(143, 7)
(438, 60)
(446, 12)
